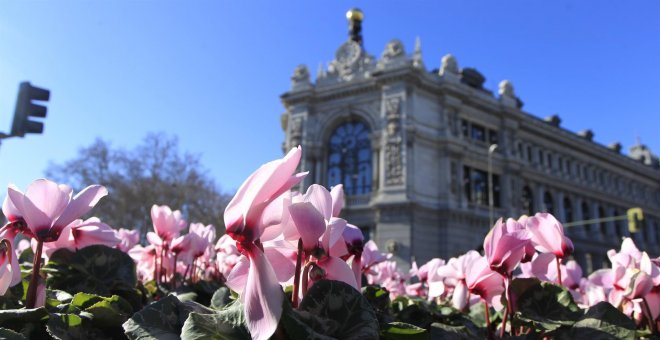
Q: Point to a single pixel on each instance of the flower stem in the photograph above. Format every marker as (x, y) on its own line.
(509, 306)
(173, 276)
(161, 268)
(558, 270)
(296, 280)
(305, 278)
(34, 280)
(649, 317)
(490, 331)
(504, 318)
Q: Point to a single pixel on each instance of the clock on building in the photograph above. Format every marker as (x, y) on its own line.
(348, 53)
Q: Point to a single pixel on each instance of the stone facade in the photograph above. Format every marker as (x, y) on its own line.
(421, 181)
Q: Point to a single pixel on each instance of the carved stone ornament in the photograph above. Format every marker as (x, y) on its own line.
(393, 116)
(449, 65)
(393, 145)
(296, 132)
(393, 49)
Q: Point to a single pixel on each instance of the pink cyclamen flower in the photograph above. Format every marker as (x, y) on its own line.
(454, 274)
(207, 232)
(319, 237)
(245, 222)
(483, 281)
(167, 223)
(80, 234)
(548, 235)
(10, 272)
(48, 207)
(189, 247)
(371, 256)
(128, 239)
(529, 249)
(337, 194)
(505, 244)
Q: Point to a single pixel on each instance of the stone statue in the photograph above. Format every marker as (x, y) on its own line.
(300, 74)
(393, 49)
(506, 89)
(449, 65)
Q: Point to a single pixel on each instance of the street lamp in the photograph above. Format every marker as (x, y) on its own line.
(491, 149)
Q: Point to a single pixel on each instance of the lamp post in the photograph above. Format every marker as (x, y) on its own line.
(491, 149)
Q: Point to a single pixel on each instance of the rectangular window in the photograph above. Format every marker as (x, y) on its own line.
(476, 186)
(492, 137)
(467, 187)
(478, 133)
(464, 127)
(496, 190)
(479, 182)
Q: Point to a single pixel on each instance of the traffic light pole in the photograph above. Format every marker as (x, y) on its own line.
(633, 215)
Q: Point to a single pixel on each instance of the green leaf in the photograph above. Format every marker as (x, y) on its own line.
(188, 296)
(221, 298)
(601, 321)
(233, 314)
(162, 319)
(10, 316)
(547, 306)
(379, 298)
(84, 300)
(27, 256)
(304, 325)
(450, 332)
(205, 291)
(416, 315)
(55, 298)
(110, 312)
(95, 269)
(8, 334)
(403, 331)
(14, 296)
(68, 326)
(341, 304)
(211, 326)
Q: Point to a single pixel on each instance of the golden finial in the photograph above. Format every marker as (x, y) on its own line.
(354, 14)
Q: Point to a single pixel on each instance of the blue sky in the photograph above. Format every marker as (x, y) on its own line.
(211, 72)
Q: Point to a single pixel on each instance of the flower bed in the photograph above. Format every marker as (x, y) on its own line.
(289, 267)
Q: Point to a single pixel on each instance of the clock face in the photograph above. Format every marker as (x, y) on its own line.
(348, 53)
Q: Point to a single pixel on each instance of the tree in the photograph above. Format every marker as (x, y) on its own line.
(154, 172)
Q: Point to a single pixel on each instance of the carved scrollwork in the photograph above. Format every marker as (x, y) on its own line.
(393, 146)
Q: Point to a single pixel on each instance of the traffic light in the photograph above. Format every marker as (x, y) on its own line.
(635, 215)
(25, 109)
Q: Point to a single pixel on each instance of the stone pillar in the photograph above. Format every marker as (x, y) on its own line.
(595, 230)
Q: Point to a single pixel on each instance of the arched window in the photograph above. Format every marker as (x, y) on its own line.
(548, 204)
(527, 203)
(568, 210)
(349, 158)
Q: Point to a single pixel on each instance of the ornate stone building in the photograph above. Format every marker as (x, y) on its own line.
(411, 147)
